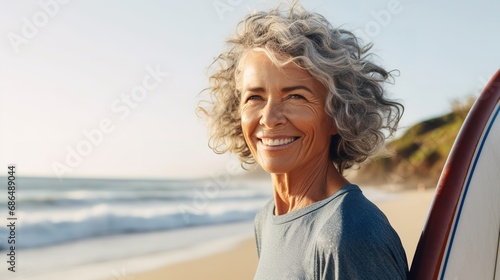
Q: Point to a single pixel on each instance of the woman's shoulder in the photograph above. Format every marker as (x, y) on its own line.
(354, 217)
(352, 205)
(356, 231)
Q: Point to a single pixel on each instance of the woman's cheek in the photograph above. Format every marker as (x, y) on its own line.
(303, 112)
(247, 120)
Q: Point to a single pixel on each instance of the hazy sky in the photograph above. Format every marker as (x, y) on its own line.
(109, 88)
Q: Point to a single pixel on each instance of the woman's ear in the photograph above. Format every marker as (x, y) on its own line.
(333, 129)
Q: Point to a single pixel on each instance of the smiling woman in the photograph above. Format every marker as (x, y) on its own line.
(303, 100)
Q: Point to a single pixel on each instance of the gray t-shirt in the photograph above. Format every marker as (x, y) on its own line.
(344, 236)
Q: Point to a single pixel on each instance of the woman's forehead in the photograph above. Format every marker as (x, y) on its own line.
(258, 66)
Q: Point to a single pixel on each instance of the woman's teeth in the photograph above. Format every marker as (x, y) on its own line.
(277, 142)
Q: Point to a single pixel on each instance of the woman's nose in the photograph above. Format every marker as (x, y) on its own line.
(272, 114)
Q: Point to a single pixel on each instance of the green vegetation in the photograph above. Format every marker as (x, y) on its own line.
(418, 156)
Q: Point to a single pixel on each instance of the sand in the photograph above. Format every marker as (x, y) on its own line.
(237, 263)
(407, 215)
(406, 211)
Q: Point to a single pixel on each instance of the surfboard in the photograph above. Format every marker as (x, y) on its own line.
(461, 237)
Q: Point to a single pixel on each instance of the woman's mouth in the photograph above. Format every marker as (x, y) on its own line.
(278, 142)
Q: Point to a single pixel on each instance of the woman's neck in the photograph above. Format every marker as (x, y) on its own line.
(311, 184)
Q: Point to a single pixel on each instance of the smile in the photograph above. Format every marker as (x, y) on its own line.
(278, 142)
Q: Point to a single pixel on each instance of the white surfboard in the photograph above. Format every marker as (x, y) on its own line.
(461, 238)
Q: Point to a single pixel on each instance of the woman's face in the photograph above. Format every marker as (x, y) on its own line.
(282, 115)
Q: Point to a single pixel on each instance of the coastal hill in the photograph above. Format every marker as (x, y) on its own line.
(416, 158)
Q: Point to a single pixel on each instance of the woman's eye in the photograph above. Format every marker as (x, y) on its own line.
(296, 96)
(254, 97)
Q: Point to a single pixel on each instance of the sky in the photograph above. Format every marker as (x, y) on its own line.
(109, 88)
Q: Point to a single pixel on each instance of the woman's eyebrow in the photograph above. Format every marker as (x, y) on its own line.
(255, 89)
(289, 89)
(284, 90)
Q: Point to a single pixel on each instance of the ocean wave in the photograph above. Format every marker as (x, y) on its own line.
(52, 227)
(79, 198)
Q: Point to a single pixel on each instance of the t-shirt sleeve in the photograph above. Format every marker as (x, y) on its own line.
(359, 247)
(360, 259)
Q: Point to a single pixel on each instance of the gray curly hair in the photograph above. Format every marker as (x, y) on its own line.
(356, 98)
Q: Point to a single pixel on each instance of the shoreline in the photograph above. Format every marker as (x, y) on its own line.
(114, 257)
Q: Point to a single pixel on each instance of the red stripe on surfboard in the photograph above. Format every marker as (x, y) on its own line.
(433, 241)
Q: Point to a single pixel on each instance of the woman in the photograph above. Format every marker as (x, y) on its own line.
(301, 99)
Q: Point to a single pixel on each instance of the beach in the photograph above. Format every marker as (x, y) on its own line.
(406, 210)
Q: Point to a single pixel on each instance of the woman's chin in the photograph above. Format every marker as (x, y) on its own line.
(275, 168)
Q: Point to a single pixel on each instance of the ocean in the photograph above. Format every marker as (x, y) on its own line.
(53, 211)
